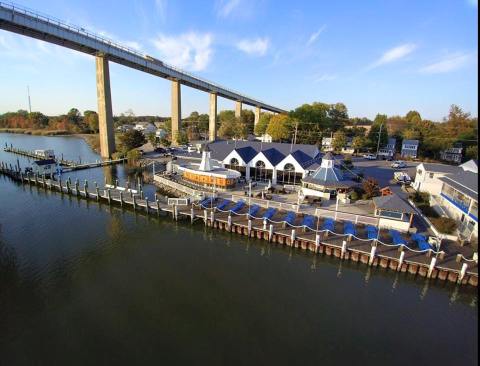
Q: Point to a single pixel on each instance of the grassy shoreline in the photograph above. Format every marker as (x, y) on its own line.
(36, 132)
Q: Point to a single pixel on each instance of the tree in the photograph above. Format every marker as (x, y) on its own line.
(378, 130)
(165, 142)
(90, 118)
(74, 116)
(182, 138)
(413, 117)
(279, 127)
(313, 121)
(370, 187)
(152, 139)
(472, 152)
(262, 123)
(339, 141)
(338, 115)
(359, 143)
(132, 139)
(411, 134)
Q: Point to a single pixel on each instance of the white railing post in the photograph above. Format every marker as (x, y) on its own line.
(344, 248)
(270, 232)
(292, 236)
(372, 255)
(463, 271)
(249, 228)
(432, 266)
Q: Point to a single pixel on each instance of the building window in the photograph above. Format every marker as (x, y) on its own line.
(234, 162)
(390, 214)
(288, 175)
(431, 175)
(260, 172)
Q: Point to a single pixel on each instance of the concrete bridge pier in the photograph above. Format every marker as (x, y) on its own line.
(238, 108)
(257, 115)
(104, 101)
(176, 111)
(212, 125)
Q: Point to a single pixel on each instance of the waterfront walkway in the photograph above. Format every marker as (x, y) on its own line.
(317, 234)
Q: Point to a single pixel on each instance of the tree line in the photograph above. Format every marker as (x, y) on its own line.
(307, 124)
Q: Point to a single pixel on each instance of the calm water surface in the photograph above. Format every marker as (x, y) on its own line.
(83, 283)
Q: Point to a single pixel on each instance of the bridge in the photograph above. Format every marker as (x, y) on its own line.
(33, 24)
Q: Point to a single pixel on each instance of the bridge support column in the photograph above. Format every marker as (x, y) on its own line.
(212, 125)
(238, 109)
(176, 111)
(257, 115)
(104, 101)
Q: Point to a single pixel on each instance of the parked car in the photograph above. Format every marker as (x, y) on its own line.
(399, 164)
(160, 150)
(402, 178)
(370, 156)
(191, 149)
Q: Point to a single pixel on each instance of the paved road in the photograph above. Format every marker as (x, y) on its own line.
(383, 173)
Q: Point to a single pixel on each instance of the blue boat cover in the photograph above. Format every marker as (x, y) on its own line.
(238, 206)
(206, 202)
(253, 210)
(289, 217)
(269, 213)
(372, 232)
(349, 228)
(329, 224)
(397, 237)
(309, 221)
(223, 204)
(421, 241)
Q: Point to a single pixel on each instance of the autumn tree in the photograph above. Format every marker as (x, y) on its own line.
(90, 119)
(262, 123)
(131, 139)
(370, 187)
(339, 141)
(279, 127)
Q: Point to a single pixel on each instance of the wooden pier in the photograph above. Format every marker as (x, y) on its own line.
(69, 164)
(441, 266)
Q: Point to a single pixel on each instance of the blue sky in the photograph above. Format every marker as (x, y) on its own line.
(386, 56)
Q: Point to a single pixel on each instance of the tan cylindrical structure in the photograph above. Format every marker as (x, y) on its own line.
(104, 101)
(212, 125)
(257, 115)
(238, 109)
(176, 111)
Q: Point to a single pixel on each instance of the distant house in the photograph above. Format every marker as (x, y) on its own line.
(409, 148)
(327, 145)
(453, 154)
(389, 149)
(161, 133)
(124, 128)
(145, 127)
(44, 166)
(264, 138)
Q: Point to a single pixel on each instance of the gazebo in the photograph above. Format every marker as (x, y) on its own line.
(327, 181)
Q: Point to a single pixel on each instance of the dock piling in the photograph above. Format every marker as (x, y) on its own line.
(372, 255)
(431, 267)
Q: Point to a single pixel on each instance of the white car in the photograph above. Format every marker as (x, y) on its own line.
(399, 164)
(370, 156)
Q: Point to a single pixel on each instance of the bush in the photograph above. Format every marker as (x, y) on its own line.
(354, 196)
(428, 211)
(445, 225)
(420, 197)
(133, 156)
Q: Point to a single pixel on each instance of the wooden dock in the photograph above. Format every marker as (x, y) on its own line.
(440, 265)
(69, 164)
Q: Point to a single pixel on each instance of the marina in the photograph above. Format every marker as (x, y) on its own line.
(344, 240)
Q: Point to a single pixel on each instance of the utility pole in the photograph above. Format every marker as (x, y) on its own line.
(29, 102)
(294, 141)
(379, 134)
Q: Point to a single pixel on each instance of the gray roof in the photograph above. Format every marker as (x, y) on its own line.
(221, 148)
(393, 202)
(465, 182)
(410, 142)
(442, 168)
(329, 177)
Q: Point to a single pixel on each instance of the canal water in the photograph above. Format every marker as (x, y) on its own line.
(83, 283)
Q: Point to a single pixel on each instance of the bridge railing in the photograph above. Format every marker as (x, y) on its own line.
(80, 30)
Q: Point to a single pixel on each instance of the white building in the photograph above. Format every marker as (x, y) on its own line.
(453, 154)
(410, 148)
(393, 212)
(45, 166)
(45, 154)
(453, 192)
(145, 127)
(327, 145)
(389, 149)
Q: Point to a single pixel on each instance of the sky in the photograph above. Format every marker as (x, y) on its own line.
(376, 56)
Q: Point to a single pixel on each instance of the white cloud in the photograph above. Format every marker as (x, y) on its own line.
(324, 77)
(254, 47)
(190, 51)
(226, 7)
(394, 54)
(315, 35)
(449, 63)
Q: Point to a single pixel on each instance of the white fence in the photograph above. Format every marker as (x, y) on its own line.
(266, 203)
(346, 216)
(178, 201)
(179, 187)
